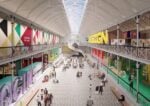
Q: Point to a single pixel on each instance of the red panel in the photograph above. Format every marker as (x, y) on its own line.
(27, 36)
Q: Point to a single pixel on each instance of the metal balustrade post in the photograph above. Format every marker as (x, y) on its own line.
(118, 68)
(137, 75)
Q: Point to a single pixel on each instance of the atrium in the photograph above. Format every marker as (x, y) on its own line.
(74, 52)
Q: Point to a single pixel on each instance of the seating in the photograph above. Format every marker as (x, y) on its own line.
(117, 93)
(79, 74)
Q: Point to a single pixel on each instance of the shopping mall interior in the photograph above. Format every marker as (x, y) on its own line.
(74, 52)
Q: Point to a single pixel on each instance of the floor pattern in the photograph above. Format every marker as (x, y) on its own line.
(73, 91)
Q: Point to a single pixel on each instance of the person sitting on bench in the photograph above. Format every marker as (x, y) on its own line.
(121, 98)
(90, 102)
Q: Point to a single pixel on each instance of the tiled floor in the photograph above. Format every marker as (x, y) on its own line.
(73, 91)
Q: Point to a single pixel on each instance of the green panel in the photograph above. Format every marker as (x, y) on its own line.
(28, 68)
(18, 65)
(143, 89)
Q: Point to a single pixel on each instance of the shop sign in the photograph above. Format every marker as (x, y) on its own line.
(100, 38)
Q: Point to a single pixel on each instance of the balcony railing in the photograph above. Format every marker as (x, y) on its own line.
(15, 51)
(128, 51)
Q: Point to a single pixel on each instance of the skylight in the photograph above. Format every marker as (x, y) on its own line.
(75, 10)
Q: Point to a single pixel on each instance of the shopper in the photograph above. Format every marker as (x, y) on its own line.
(102, 76)
(55, 74)
(45, 91)
(121, 98)
(90, 77)
(104, 81)
(90, 101)
(53, 68)
(130, 82)
(42, 94)
(50, 98)
(46, 100)
(101, 88)
(38, 101)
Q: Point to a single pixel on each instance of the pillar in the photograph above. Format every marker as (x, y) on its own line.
(32, 67)
(12, 39)
(137, 75)
(107, 62)
(118, 28)
(42, 63)
(12, 68)
(137, 64)
(118, 67)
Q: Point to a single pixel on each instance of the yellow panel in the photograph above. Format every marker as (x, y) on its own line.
(100, 38)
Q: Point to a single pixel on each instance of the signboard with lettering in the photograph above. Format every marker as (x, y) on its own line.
(99, 38)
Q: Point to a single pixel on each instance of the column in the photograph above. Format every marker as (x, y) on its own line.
(118, 67)
(42, 63)
(32, 68)
(118, 28)
(101, 58)
(12, 68)
(31, 46)
(12, 46)
(12, 40)
(137, 64)
(137, 75)
(107, 62)
(12, 71)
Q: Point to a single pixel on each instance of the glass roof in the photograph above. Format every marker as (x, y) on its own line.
(75, 10)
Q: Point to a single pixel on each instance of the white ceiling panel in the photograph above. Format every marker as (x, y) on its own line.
(98, 15)
(102, 14)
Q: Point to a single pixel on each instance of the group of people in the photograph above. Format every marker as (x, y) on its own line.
(52, 73)
(102, 83)
(44, 98)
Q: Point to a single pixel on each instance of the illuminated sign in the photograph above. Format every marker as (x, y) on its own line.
(100, 38)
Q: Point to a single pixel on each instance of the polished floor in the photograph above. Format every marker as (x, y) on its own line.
(73, 91)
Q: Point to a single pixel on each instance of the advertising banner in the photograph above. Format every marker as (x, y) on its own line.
(5, 37)
(26, 36)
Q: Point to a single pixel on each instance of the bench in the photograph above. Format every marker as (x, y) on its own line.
(117, 93)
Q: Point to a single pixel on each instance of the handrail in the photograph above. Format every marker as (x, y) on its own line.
(127, 83)
(30, 45)
(137, 54)
(121, 45)
(32, 98)
(23, 51)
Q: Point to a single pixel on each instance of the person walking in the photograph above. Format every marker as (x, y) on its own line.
(39, 101)
(101, 88)
(54, 72)
(90, 102)
(45, 91)
(104, 81)
(50, 98)
(130, 82)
